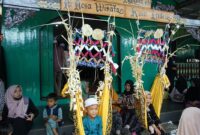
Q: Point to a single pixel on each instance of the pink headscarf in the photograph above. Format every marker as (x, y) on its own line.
(16, 108)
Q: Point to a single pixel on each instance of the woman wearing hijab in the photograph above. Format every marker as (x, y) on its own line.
(19, 110)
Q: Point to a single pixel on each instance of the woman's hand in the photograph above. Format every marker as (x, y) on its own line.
(30, 117)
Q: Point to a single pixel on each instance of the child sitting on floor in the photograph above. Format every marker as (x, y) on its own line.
(52, 115)
(153, 120)
(92, 122)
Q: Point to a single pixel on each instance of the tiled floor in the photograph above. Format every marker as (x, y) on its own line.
(171, 111)
(169, 105)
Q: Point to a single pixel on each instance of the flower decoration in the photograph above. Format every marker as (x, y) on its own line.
(158, 33)
(87, 30)
(98, 34)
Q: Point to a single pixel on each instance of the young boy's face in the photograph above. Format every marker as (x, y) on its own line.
(127, 87)
(51, 102)
(92, 111)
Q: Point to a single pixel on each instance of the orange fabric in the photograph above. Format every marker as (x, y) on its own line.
(115, 98)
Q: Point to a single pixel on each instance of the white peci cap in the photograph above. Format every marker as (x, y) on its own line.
(91, 101)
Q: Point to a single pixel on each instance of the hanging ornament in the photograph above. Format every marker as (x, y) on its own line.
(98, 34)
(158, 33)
(87, 30)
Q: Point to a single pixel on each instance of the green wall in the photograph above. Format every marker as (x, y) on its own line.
(21, 45)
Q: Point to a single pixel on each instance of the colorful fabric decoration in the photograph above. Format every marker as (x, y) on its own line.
(100, 52)
(152, 45)
(93, 46)
(89, 42)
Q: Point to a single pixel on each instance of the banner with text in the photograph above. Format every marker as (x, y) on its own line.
(118, 10)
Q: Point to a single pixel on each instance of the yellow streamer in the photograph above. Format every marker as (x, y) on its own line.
(157, 91)
(104, 108)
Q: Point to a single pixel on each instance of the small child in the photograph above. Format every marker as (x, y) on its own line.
(52, 115)
(5, 128)
(92, 122)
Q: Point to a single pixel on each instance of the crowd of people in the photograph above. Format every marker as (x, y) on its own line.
(18, 113)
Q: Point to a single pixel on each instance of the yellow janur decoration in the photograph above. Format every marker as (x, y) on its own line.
(161, 82)
(105, 103)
